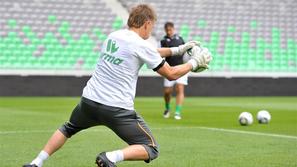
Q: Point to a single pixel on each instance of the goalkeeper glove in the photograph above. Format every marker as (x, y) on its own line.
(181, 49)
(200, 58)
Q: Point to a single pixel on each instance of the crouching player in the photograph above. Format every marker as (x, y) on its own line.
(107, 98)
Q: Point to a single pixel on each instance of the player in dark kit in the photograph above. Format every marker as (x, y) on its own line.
(173, 40)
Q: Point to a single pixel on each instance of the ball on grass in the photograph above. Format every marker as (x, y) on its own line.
(263, 117)
(245, 118)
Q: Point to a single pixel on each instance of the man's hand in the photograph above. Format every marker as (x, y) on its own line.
(181, 49)
(200, 58)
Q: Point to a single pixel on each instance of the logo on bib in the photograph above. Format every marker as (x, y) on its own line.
(111, 46)
(110, 49)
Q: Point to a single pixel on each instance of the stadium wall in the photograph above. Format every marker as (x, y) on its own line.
(150, 86)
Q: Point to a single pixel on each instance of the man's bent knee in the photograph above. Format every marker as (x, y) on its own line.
(68, 129)
(153, 152)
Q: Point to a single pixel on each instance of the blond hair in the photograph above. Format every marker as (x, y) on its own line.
(140, 14)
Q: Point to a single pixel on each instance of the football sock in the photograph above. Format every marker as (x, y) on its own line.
(42, 156)
(115, 156)
(167, 106)
(178, 109)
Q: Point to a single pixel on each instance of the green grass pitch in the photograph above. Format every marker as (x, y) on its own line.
(208, 135)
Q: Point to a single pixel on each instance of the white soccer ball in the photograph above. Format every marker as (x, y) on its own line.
(245, 118)
(263, 117)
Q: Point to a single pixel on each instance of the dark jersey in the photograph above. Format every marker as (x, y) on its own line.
(174, 41)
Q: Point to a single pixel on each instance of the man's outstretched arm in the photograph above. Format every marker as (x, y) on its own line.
(177, 51)
(175, 72)
(200, 58)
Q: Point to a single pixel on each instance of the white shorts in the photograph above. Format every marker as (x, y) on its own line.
(182, 80)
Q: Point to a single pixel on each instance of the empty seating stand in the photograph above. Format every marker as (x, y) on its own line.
(244, 36)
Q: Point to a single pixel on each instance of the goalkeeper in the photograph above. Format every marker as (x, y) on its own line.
(107, 98)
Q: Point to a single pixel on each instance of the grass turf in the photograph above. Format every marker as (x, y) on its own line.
(26, 124)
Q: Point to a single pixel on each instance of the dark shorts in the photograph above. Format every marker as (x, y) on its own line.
(127, 124)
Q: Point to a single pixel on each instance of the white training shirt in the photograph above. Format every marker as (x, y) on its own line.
(113, 82)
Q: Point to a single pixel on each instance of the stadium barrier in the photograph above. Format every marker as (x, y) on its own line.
(150, 86)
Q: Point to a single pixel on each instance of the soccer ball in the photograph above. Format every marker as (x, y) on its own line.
(245, 118)
(263, 117)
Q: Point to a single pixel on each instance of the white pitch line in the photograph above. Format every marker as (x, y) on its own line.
(168, 128)
(24, 131)
(249, 132)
